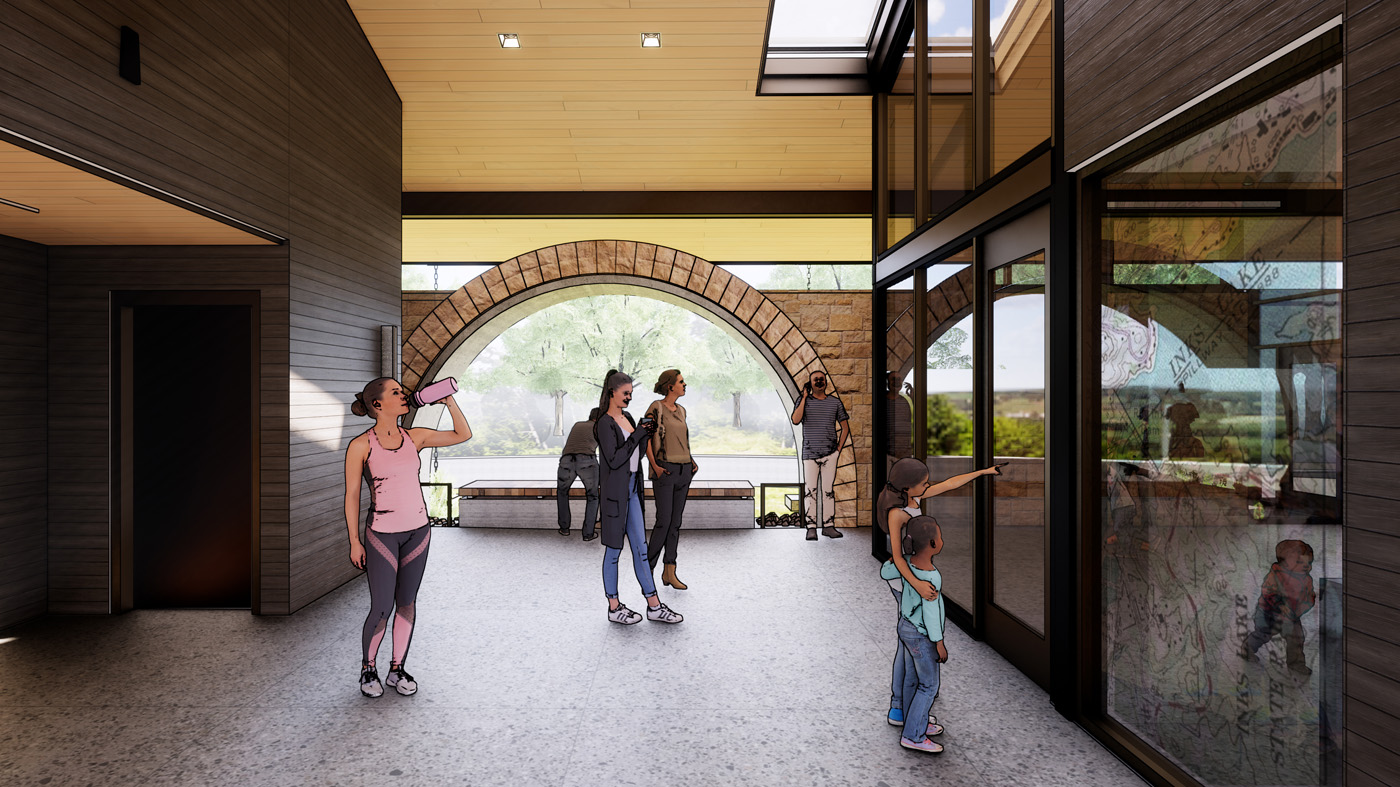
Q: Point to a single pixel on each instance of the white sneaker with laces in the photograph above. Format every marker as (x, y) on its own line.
(624, 615)
(402, 682)
(369, 682)
(663, 614)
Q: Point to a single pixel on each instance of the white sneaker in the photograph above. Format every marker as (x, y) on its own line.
(663, 614)
(624, 615)
(402, 682)
(369, 682)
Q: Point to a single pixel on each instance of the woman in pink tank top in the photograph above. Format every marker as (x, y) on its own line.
(396, 529)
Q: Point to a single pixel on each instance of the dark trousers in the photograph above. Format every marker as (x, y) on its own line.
(1268, 624)
(670, 490)
(583, 466)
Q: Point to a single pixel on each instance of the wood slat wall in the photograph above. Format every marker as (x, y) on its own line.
(81, 280)
(275, 112)
(346, 279)
(207, 122)
(24, 353)
(1128, 63)
(1372, 384)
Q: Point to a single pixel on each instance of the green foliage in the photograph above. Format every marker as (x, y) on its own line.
(949, 428)
(950, 432)
(567, 348)
(725, 368)
(819, 277)
(1018, 436)
(945, 353)
(727, 440)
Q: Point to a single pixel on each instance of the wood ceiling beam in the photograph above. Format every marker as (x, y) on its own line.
(438, 204)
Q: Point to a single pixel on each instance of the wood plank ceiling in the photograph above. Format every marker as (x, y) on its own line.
(582, 106)
(81, 209)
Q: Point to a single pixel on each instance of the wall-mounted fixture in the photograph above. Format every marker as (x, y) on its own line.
(390, 359)
(509, 40)
(651, 40)
(129, 64)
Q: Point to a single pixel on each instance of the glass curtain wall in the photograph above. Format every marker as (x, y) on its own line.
(1021, 37)
(967, 126)
(1220, 286)
(947, 368)
(1019, 533)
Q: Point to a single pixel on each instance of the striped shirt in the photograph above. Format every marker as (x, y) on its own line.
(899, 425)
(819, 426)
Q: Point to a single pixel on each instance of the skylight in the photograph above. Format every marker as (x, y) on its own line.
(822, 24)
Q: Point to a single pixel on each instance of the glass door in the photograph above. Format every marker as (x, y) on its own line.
(1013, 431)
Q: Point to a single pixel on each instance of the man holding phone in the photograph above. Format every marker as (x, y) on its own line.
(825, 427)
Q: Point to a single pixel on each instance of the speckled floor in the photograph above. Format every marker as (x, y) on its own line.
(779, 675)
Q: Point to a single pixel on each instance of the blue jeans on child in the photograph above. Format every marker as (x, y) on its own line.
(637, 543)
(902, 661)
(921, 682)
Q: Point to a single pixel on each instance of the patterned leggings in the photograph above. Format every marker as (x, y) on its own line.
(394, 563)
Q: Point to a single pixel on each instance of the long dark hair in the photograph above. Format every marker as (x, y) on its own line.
(611, 383)
(920, 530)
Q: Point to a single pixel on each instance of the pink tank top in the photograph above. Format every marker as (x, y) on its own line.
(395, 498)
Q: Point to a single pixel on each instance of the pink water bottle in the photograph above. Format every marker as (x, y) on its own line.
(439, 390)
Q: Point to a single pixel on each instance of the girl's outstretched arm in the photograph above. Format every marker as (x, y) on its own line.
(949, 484)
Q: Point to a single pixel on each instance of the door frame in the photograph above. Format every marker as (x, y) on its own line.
(121, 411)
(1020, 237)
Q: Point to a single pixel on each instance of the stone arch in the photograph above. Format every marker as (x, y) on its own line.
(481, 309)
(948, 303)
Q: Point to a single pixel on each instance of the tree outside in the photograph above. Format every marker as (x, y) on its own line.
(524, 391)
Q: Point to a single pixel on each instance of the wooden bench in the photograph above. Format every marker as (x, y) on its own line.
(532, 504)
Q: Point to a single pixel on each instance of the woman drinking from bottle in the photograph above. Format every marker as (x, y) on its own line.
(396, 529)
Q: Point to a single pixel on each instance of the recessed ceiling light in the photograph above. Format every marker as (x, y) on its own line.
(509, 40)
(651, 40)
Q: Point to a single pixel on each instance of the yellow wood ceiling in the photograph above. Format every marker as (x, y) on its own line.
(716, 240)
(581, 106)
(80, 209)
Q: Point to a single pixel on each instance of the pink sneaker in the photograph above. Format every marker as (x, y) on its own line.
(934, 729)
(924, 745)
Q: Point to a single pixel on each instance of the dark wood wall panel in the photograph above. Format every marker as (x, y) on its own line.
(1128, 63)
(278, 113)
(23, 470)
(81, 280)
(1372, 384)
(208, 122)
(345, 272)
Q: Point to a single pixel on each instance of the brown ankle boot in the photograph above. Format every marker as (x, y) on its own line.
(668, 577)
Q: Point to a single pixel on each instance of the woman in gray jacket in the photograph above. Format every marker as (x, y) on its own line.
(620, 487)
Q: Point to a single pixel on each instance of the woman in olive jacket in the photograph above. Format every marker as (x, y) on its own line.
(620, 487)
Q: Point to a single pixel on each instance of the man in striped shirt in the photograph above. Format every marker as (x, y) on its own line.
(825, 427)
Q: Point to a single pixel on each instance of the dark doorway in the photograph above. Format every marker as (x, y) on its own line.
(188, 445)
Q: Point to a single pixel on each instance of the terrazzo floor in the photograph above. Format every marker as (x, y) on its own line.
(779, 675)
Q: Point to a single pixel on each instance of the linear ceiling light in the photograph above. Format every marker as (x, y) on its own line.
(651, 40)
(509, 40)
(19, 205)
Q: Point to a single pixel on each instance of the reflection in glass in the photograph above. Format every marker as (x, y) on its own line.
(899, 354)
(947, 366)
(1221, 361)
(899, 168)
(1022, 58)
(1018, 437)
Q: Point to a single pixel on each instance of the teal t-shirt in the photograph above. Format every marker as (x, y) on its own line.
(927, 616)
